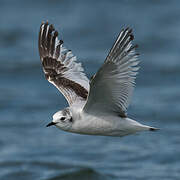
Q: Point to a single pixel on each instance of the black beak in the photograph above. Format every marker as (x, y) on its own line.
(51, 124)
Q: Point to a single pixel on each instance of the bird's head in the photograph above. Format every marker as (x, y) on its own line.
(62, 119)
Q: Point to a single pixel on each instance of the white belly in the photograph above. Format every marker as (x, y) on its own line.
(105, 125)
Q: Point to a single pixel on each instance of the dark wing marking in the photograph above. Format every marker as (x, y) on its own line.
(60, 66)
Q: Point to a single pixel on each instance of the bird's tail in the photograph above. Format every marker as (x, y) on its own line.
(140, 127)
(153, 129)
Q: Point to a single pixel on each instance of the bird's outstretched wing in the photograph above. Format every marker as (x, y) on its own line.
(112, 86)
(60, 66)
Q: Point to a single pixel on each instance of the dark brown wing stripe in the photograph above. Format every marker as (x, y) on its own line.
(43, 42)
(53, 56)
(39, 42)
(53, 70)
(51, 29)
(78, 89)
(55, 34)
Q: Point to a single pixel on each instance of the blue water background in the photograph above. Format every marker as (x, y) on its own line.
(29, 150)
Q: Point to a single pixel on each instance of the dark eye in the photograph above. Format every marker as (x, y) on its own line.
(71, 120)
(63, 118)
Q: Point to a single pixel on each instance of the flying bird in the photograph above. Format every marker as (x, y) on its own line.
(97, 106)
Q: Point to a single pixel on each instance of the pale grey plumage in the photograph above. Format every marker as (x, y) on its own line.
(114, 82)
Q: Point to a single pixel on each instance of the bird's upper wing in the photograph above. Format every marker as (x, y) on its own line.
(60, 66)
(112, 86)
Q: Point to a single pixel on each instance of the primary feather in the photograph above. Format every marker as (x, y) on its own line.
(60, 66)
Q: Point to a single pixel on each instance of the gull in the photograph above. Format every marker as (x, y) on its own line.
(97, 106)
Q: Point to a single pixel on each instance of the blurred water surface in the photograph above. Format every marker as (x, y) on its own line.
(29, 151)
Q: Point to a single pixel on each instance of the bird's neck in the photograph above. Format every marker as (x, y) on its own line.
(76, 112)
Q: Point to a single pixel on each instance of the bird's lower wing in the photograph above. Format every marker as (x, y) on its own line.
(60, 66)
(112, 86)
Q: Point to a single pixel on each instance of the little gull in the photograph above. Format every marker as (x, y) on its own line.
(97, 106)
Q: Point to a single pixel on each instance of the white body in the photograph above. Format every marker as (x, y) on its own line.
(105, 125)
